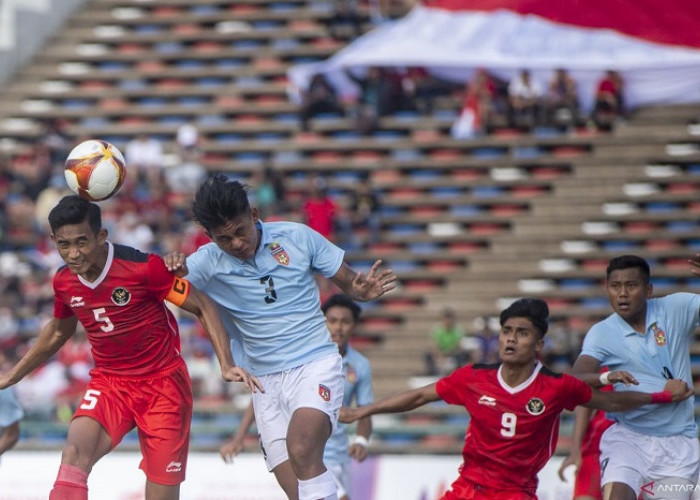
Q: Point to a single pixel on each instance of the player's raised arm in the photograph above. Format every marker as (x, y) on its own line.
(184, 295)
(52, 336)
(396, 403)
(364, 288)
(676, 390)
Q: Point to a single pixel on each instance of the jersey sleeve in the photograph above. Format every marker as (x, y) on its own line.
(198, 265)
(164, 284)
(326, 258)
(575, 392)
(61, 310)
(595, 344)
(364, 385)
(452, 387)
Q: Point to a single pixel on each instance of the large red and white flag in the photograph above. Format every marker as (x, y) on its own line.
(653, 43)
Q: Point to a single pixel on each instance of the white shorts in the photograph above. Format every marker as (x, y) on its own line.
(672, 463)
(341, 476)
(318, 384)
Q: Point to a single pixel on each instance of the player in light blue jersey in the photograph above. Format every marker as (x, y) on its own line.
(650, 339)
(10, 415)
(262, 275)
(342, 318)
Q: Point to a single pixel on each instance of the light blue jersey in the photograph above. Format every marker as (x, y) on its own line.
(10, 410)
(662, 352)
(271, 302)
(358, 388)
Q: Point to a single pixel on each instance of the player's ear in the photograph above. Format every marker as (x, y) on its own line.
(102, 235)
(255, 214)
(650, 290)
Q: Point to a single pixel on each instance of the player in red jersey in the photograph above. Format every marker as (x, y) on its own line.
(585, 451)
(514, 407)
(139, 379)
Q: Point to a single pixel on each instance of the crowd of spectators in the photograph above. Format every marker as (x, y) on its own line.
(482, 104)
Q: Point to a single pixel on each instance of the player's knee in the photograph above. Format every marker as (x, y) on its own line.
(73, 455)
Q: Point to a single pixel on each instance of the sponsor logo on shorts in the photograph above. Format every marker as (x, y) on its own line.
(174, 467)
(648, 488)
(121, 296)
(487, 400)
(535, 406)
(324, 392)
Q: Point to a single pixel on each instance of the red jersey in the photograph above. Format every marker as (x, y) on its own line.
(513, 430)
(130, 329)
(596, 427)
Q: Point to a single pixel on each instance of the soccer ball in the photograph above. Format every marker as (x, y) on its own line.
(95, 170)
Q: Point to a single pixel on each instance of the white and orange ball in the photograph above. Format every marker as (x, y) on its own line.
(95, 170)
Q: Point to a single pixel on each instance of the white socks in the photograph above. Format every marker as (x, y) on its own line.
(318, 488)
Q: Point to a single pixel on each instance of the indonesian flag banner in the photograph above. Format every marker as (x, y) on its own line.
(653, 44)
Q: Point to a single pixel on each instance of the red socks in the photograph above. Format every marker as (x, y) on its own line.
(71, 484)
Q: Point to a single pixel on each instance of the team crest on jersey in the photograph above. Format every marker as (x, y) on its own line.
(659, 335)
(351, 374)
(324, 392)
(121, 296)
(535, 406)
(279, 253)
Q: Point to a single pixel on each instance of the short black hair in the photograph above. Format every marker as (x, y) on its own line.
(536, 310)
(219, 200)
(340, 300)
(627, 262)
(74, 210)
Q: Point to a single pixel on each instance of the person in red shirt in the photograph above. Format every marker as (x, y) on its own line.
(515, 407)
(584, 454)
(139, 378)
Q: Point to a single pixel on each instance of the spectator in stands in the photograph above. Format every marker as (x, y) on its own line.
(346, 13)
(144, 155)
(477, 107)
(378, 95)
(609, 100)
(514, 408)
(525, 99)
(320, 210)
(650, 336)
(487, 338)
(319, 98)
(187, 139)
(10, 415)
(364, 213)
(446, 352)
(561, 101)
(420, 89)
(557, 352)
(268, 191)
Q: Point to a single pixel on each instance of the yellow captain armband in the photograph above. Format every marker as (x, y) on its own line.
(178, 291)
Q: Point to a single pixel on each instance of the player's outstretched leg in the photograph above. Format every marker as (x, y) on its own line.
(308, 431)
(86, 443)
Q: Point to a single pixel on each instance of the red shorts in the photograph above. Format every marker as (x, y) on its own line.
(159, 406)
(463, 489)
(588, 477)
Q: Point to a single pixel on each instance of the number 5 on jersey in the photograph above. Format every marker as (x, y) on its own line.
(90, 399)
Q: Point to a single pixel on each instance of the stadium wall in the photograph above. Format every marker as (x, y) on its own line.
(26, 475)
